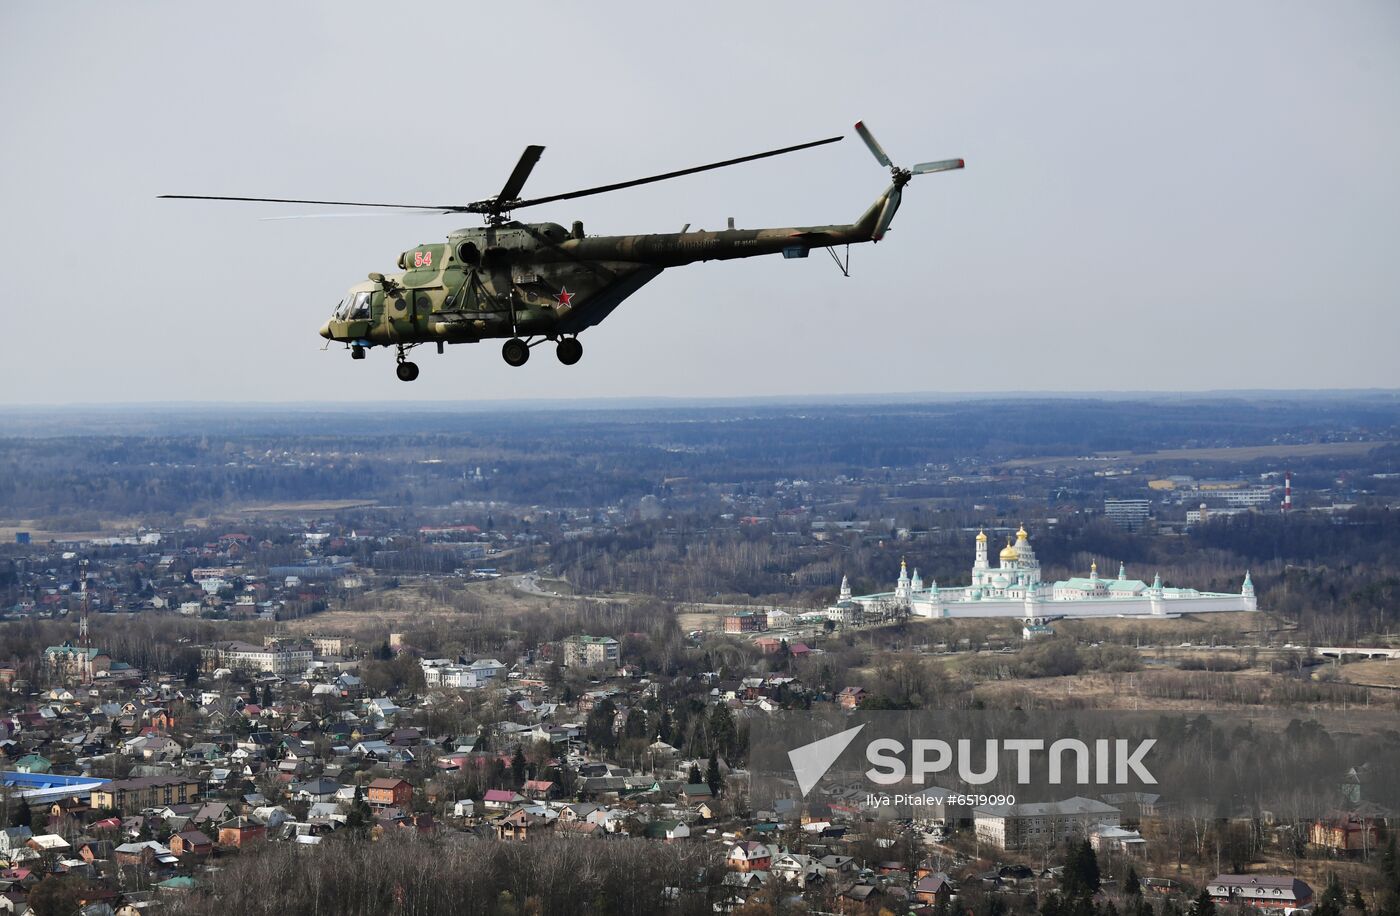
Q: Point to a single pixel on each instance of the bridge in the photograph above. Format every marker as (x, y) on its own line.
(1355, 652)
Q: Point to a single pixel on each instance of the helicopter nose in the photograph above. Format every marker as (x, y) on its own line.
(326, 330)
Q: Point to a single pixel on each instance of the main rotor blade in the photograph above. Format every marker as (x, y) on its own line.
(871, 142)
(517, 178)
(273, 219)
(943, 165)
(448, 208)
(513, 184)
(601, 189)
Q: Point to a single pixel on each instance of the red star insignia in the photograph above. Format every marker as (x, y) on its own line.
(565, 298)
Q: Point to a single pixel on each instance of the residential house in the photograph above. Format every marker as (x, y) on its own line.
(271, 816)
(694, 793)
(1107, 838)
(33, 763)
(500, 799)
(12, 838)
(1345, 834)
(851, 697)
(1264, 891)
(390, 792)
(240, 832)
(933, 889)
(49, 845)
(579, 830)
(798, 869)
(373, 749)
(613, 820)
(539, 789)
(858, 898)
(91, 850)
(839, 866)
(211, 813)
(670, 831)
(520, 824)
(749, 856)
(191, 843)
(316, 790)
(148, 854)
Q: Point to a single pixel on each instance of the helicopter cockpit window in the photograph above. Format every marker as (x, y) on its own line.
(358, 307)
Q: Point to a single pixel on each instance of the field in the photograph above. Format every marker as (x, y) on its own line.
(1382, 673)
(1221, 629)
(695, 620)
(124, 527)
(305, 505)
(379, 612)
(1242, 453)
(40, 535)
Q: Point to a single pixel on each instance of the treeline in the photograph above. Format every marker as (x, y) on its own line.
(175, 462)
(1338, 576)
(755, 564)
(1225, 688)
(470, 877)
(1056, 658)
(149, 642)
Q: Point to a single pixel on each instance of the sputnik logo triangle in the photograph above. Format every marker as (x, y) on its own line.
(811, 761)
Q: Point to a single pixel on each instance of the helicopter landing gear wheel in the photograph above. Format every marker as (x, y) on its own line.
(515, 351)
(569, 351)
(357, 352)
(406, 371)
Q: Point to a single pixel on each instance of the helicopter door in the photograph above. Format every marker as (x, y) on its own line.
(422, 307)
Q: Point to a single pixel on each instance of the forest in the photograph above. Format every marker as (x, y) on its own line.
(128, 461)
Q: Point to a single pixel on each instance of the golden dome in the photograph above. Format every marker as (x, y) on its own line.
(982, 536)
(1021, 534)
(1008, 552)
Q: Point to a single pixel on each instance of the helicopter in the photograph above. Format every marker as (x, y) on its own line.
(532, 283)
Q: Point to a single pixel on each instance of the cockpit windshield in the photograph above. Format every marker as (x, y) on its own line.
(355, 308)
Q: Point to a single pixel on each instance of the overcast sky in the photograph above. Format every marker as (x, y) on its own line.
(1182, 196)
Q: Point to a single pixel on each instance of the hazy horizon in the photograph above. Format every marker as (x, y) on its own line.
(645, 402)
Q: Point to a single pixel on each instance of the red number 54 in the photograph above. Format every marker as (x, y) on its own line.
(422, 259)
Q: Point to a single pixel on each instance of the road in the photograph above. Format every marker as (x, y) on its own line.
(529, 583)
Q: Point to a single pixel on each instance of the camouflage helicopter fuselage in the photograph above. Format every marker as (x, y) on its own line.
(532, 282)
(540, 280)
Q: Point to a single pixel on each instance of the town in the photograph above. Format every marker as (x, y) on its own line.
(390, 699)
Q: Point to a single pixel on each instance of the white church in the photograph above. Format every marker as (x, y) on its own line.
(1013, 588)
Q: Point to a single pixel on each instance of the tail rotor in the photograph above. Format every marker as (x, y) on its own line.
(899, 177)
